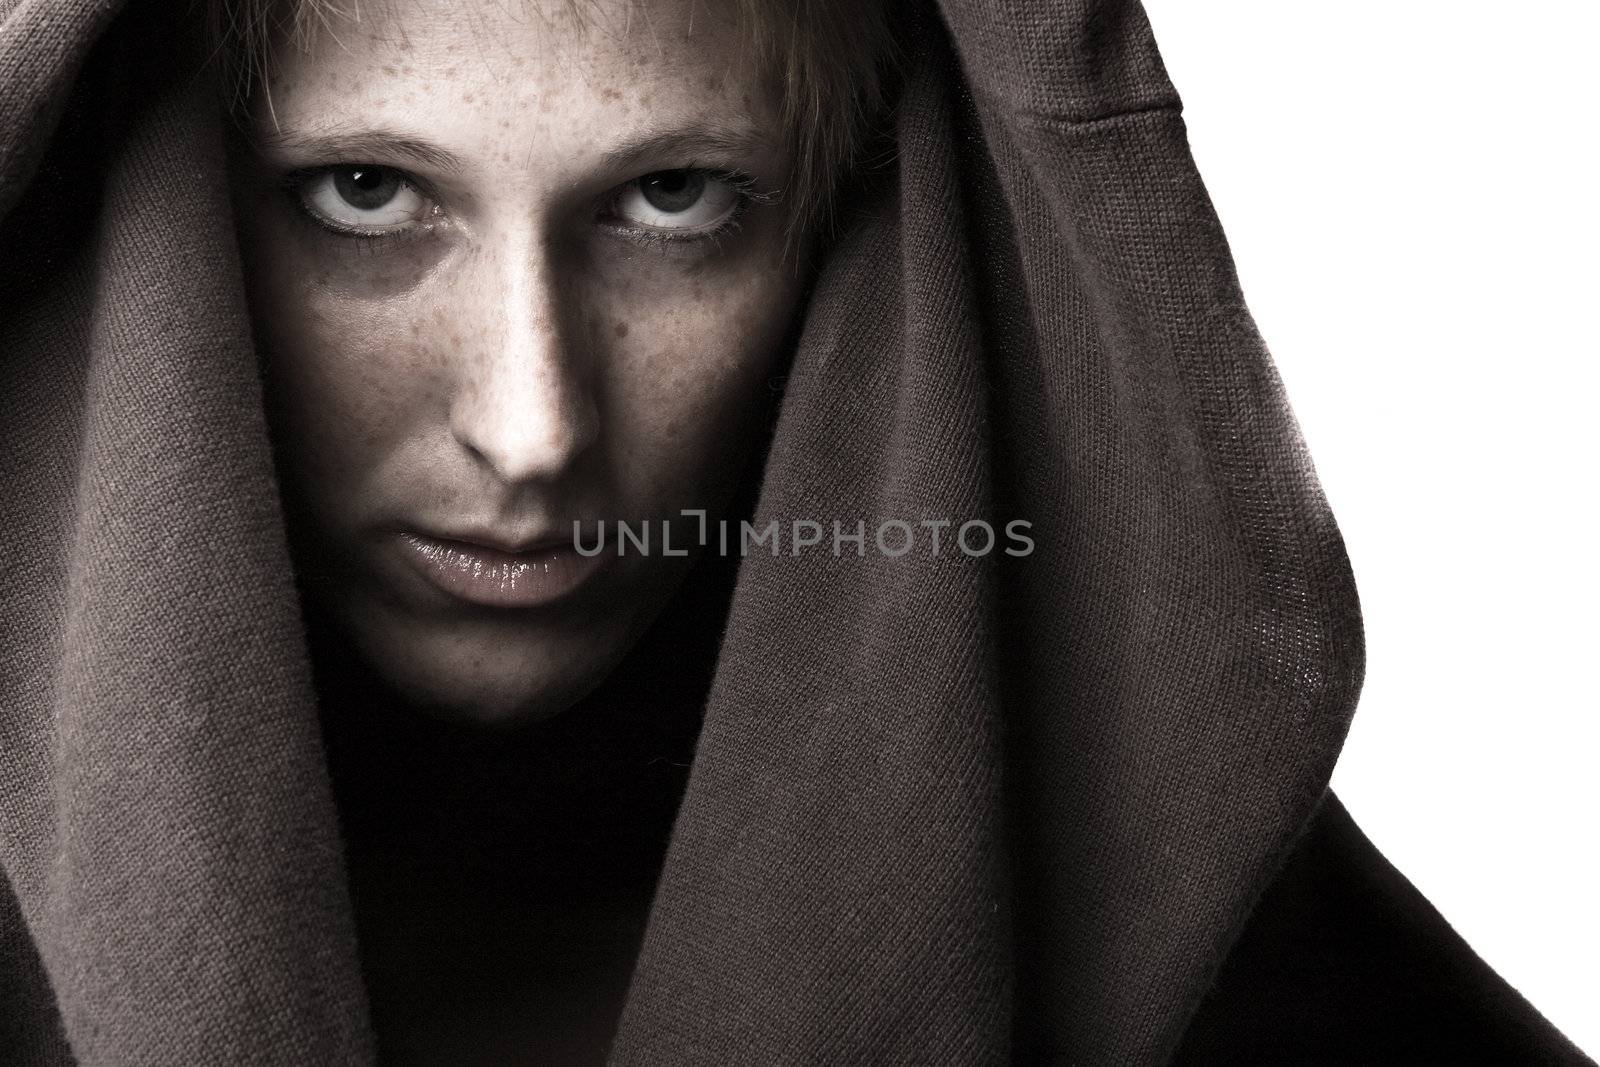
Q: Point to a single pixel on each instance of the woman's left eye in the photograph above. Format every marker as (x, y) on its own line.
(364, 200)
(686, 203)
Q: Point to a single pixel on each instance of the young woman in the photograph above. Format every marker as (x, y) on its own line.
(663, 531)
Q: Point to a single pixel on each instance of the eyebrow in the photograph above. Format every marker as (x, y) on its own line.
(689, 140)
(375, 144)
(354, 145)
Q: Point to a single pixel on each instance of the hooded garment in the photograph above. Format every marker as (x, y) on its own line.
(1068, 807)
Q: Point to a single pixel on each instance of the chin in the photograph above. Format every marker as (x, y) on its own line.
(510, 706)
(488, 675)
(489, 691)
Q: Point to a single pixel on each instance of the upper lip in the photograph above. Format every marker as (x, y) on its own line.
(512, 546)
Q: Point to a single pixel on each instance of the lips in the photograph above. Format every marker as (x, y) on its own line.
(493, 543)
(499, 574)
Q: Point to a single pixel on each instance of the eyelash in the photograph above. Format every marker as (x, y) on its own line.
(294, 184)
(744, 185)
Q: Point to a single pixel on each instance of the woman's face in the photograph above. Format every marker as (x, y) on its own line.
(512, 268)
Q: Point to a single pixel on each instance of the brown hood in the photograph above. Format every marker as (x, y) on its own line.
(942, 810)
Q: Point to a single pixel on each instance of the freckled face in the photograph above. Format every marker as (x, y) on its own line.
(509, 272)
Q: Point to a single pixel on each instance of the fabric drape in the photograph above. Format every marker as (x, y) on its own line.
(942, 808)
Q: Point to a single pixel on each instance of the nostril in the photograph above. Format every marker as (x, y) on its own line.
(527, 437)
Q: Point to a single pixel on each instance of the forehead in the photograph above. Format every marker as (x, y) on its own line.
(483, 73)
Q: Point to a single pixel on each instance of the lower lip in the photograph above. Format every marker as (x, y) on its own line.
(498, 579)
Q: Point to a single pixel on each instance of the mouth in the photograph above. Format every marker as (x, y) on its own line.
(500, 575)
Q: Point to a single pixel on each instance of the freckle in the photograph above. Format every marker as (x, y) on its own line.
(544, 103)
(449, 72)
(610, 94)
(621, 329)
(711, 83)
(467, 98)
(505, 124)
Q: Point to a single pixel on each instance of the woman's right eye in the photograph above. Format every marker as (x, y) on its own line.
(362, 200)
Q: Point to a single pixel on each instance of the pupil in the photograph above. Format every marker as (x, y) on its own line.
(366, 188)
(673, 191)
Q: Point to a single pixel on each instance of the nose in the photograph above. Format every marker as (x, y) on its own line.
(523, 405)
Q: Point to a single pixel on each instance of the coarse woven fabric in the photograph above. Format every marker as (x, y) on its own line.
(1070, 807)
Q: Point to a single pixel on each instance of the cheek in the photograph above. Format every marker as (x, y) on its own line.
(693, 377)
(346, 378)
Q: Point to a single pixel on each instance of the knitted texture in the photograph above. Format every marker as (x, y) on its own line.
(943, 809)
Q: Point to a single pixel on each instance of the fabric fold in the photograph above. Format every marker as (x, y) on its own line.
(167, 824)
(1218, 649)
(1047, 293)
(835, 882)
(944, 807)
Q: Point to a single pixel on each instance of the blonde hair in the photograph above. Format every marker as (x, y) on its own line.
(836, 61)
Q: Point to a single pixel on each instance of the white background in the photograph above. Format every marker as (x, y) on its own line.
(1410, 189)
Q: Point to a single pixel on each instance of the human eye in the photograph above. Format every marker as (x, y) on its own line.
(684, 204)
(362, 200)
